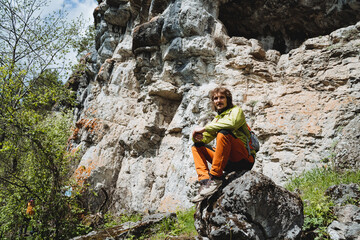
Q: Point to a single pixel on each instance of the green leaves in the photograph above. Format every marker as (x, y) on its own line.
(32, 41)
(318, 208)
(84, 43)
(41, 172)
(33, 137)
(168, 228)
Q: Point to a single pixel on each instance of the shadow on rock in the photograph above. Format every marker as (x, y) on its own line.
(250, 206)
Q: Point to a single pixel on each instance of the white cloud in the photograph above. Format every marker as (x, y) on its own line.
(84, 7)
(74, 9)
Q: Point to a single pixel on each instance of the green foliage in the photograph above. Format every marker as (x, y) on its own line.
(40, 174)
(186, 221)
(31, 41)
(318, 208)
(182, 225)
(252, 103)
(111, 221)
(78, 70)
(33, 138)
(47, 90)
(84, 43)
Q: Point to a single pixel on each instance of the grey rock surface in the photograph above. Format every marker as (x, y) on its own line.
(284, 25)
(341, 194)
(347, 226)
(347, 223)
(250, 206)
(145, 87)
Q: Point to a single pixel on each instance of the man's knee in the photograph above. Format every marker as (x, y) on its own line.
(200, 145)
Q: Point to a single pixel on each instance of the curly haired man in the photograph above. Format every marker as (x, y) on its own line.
(230, 130)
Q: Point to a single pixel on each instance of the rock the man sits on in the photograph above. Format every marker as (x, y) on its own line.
(230, 154)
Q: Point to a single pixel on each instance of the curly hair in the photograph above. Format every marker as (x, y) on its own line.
(224, 91)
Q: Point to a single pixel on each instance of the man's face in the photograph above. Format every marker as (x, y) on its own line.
(220, 101)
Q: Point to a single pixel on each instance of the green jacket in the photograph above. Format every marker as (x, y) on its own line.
(232, 119)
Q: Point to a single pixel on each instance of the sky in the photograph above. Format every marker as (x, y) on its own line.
(75, 9)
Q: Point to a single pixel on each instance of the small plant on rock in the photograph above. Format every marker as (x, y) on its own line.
(318, 208)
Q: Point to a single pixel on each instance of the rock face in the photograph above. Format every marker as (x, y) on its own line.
(284, 25)
(146, 84)
(339, 194)
(347, 223)
(250, 207)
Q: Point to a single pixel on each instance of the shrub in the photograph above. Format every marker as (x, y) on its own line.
(182, 226)
(318, 208)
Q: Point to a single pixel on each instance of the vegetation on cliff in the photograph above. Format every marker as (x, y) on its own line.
(318, 208)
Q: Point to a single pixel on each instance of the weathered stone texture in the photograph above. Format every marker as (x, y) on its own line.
(284, 25)
(250, 207)
(146, 87)
(347, 223)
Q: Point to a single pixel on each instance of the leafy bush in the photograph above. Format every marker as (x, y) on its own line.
(111, 221)
(182, 226)
(318, 208)
(42, 173)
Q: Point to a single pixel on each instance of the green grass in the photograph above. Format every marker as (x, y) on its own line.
(111, 221)
(318, 208)
(182, 226)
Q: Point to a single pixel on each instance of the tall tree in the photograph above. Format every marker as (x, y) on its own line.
(31, 41)
(33, 161)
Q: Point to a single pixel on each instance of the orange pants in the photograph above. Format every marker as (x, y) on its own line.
(230, 154)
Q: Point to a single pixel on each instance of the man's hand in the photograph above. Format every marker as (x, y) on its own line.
(198, 133)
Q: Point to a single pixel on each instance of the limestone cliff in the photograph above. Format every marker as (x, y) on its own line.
(293, 66)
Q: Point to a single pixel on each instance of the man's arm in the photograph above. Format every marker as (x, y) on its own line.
(234, 120)
(200, 135)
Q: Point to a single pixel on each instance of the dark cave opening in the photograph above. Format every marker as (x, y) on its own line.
(285, 25)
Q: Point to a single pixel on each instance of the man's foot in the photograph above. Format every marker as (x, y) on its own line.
(211, 187)
(198, 197)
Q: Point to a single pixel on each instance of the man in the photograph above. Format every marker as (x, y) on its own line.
(29, 213)
(230, 130)
(30, 207)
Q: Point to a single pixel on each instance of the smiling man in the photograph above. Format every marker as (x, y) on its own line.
(230, 130)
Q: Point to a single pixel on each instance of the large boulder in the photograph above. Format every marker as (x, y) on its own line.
(250, 206)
